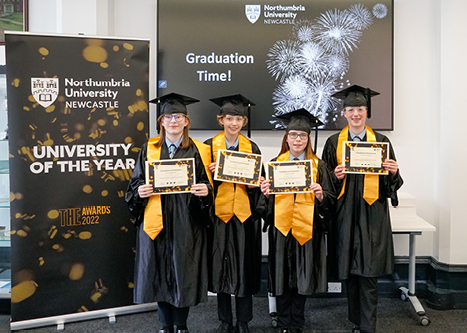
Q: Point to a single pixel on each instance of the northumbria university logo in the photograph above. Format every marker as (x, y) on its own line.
(252, 12)
(44, 90)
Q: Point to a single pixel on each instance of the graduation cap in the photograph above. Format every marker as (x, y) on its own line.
(301, 120)
(172, 103)
(235, 105)
(356, 96)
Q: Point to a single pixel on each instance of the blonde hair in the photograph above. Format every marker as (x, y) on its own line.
(186, 142)
(309, 154)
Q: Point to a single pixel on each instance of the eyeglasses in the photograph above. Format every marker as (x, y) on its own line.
(294, 135)
(178, 117)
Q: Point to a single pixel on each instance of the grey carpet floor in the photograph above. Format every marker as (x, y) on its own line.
(322, 315)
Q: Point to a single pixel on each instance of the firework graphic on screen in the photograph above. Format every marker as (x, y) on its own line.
(312, 66)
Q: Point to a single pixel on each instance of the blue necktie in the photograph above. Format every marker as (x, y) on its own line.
(357, 138)
(232, 148)
(172, 149)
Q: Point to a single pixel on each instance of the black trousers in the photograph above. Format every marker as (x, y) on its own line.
(243, 308)
(362, 296)
(170, 315)
(290, 309)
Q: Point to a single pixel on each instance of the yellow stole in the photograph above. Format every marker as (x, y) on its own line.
(296, 211)
(231, 199)
(371, 182)
(153, 223)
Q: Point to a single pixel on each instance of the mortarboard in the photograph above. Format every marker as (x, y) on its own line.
(301, 120)
(356, 96)
(236, 105)
(172, 103)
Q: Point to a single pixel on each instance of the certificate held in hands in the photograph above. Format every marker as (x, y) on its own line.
(290, 176)
(171, 176)
(238, 167)
(365, 157)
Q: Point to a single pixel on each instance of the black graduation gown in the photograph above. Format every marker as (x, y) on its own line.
(235, 248)
(173, 267)
(360, 241)
(292, 266)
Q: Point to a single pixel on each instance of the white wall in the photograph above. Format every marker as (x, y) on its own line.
(428, 100)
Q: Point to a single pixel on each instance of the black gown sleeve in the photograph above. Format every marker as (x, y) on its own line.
(136, 204)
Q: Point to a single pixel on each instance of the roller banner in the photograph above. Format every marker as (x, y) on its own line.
(77, 115)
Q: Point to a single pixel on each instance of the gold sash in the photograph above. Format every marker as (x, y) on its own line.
(231, 199)
(371, 182)
(296, 211)
(153, 223)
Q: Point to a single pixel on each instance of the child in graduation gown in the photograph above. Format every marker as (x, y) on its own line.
(171, 250)
(297, 222)
(235, 254)
(360, 238)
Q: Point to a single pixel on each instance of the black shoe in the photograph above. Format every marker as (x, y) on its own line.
(242, 327)
(225, 328)
(356, 329)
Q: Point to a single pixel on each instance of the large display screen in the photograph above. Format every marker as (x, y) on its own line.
(281, 55)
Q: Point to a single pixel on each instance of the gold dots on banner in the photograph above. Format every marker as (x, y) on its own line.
(94, 52)
(115, 122)
(138, 92)
(99, 291)
(101, 122)
(18, 196)
(25, 108)
(83, 309)
(131, 285)
(22, 291)
(48, 141)
(31, 99)
(61, 98)
(58, 247)
(105, 193)
(67, 235)
(115, 48)
(44, 52)
(15, 83)
(104, 65)
(87, 189)
(128, 139)
(124, 229)
(84, 235)
(21, 233)
(140, 126)
(52, 232)
(128, 46)
(50, 108)
(41, 261)
(76, 272)
(52, 214)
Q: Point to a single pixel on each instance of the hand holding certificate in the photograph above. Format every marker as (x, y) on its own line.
(365, 157)
(171, 176)
(238, 167)
(290, 176)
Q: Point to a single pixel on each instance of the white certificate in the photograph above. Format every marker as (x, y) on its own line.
(170, 175)
(289, 175)
(365, 157)
(239, 167)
